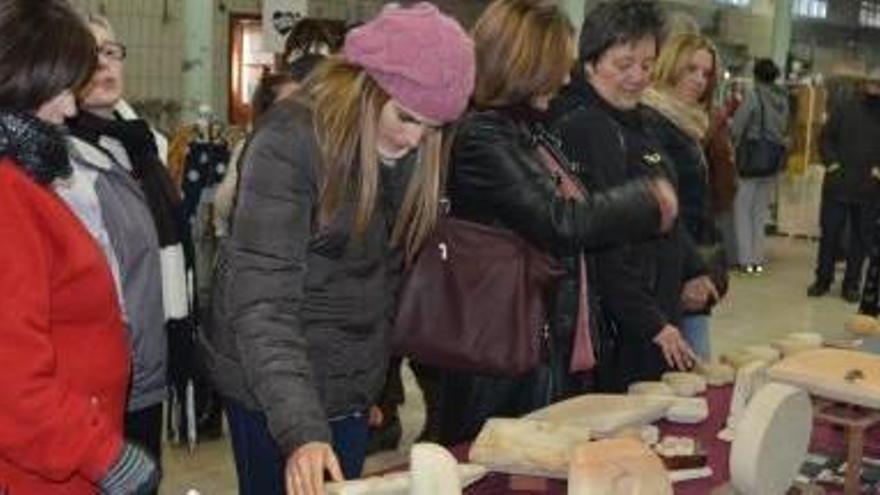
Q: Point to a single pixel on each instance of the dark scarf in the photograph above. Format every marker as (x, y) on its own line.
(140, 145)
(35, 146)
(584, 92)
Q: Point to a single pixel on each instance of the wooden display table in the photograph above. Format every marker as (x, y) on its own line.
(856, 421)
(826, 439)
(845, 386)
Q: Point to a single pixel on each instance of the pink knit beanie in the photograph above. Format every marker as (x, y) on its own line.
(419, 56)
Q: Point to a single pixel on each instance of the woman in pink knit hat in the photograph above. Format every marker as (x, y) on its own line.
(338, 182)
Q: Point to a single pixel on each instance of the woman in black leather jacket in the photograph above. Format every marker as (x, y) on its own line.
(499, 176)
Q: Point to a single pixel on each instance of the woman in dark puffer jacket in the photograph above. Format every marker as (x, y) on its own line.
(679, 103)
(506, 171)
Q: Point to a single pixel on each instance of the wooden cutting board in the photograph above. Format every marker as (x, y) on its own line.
(527, 447)
(851, 377)
(604, 414)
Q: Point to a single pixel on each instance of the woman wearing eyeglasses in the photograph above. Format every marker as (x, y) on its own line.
(122, 193)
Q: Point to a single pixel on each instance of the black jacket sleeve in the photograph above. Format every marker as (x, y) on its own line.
(622, 274)
(828, 142)
(495, 168)
(268, 256)
(692, 263)
(624, 292)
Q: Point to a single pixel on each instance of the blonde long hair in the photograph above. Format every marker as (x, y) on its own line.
(676, 53)
(347, 104)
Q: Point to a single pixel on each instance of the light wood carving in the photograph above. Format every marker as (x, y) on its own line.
(603, 414)
(778, 421)
(841, 375)
(527, 446)
(617, 467)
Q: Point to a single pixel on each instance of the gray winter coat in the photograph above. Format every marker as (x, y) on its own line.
(110, 202)
(301, 316)
(765, 102)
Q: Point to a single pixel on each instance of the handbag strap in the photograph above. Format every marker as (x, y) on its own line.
(583, 357)
(763, 129)
(558, 165)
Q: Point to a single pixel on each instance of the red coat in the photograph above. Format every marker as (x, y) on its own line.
(64, 353)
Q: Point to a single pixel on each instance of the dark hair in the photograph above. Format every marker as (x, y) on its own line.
(45, 48)
(304, 65)
(310, 35)
(266, 92)
(614, 22)
(765, 71)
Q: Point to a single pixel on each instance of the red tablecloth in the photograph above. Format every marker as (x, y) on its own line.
(825, 439)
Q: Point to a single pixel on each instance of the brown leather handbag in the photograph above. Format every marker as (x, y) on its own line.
(475, 300)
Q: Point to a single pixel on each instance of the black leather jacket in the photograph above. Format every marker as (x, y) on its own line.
(497, 178)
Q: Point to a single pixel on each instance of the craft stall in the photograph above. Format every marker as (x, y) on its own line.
(757, 423)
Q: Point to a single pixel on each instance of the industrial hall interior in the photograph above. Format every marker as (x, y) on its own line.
(439, 247)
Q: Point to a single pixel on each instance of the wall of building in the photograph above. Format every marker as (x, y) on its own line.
(154, 32)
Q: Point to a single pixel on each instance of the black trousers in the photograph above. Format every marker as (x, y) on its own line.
(833, 218)
(144, 428)
(871, 292)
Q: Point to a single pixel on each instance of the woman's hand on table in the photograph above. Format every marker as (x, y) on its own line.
(304, 473)
(676, 351)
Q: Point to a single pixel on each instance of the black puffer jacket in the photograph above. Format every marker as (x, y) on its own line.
(498, 179)
(301, 314)
(639, 285)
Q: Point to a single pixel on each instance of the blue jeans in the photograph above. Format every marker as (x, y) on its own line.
(695, 329)
(259, 462)
(350, 437)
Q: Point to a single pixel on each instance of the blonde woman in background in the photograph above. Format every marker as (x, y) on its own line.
(680, 105)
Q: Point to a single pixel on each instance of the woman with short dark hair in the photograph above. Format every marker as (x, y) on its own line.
(63, 345)
(601, 124)
(507, 171)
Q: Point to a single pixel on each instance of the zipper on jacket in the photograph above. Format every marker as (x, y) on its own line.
(550, 391)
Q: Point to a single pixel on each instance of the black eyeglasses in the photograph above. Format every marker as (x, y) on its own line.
(112, 50)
